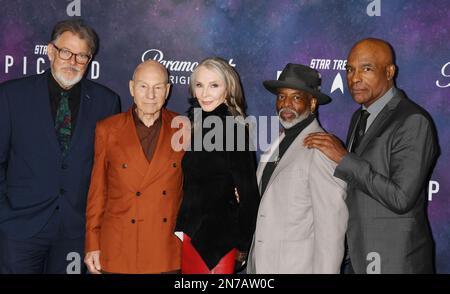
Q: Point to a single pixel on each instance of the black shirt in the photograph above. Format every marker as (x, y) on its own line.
(290, 135)
(55, 90)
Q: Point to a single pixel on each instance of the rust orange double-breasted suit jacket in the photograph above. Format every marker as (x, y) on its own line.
(133, 204)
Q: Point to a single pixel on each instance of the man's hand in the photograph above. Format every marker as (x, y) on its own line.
(92, 261)
(328, 144)
(241, 258)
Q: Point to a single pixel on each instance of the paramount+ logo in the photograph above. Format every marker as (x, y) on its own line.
(180, 70)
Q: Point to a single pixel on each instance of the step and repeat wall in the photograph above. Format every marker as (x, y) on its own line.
(258, 38)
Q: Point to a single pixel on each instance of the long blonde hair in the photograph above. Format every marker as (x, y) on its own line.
(234, 98)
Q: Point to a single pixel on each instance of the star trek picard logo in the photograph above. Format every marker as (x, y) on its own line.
(38, 63)
(321, 64)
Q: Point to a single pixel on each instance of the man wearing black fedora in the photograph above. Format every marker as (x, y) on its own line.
(302, 216)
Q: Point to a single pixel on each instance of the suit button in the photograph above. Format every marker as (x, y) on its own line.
(124, 165)
(133, 221)
(138, 193)
(57, 207)
(174, 164)
(62, 191)
(164, 192)
(164, 220)
(64, 166)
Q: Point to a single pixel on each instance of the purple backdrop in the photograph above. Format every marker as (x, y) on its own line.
(259, 37)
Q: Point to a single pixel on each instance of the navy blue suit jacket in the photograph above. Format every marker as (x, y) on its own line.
(34, 177)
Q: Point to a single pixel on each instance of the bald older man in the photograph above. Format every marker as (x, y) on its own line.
(136, 184)
(392, 148)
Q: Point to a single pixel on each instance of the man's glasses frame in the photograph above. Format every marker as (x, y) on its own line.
(66, 54)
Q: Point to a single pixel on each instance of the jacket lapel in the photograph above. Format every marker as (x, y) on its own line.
(293, 150)
(351, 129)
(379, 123)
(128, 141)
(162, 150)
(43, 111)
(265, 157)
(83, 119)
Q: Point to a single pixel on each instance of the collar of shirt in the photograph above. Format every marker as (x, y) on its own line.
(378, 105)
(139, 124)
(148, 136)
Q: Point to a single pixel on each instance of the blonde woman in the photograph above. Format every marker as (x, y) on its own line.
(220, 202)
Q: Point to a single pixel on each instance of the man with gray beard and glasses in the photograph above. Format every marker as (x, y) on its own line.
(302, 216)
(47, 125)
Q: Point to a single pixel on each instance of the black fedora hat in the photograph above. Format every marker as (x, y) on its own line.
(300, 77)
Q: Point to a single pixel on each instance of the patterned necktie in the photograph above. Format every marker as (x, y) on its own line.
(63, 124)
(360, 129)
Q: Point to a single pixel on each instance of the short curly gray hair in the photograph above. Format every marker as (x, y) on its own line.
(79, 28)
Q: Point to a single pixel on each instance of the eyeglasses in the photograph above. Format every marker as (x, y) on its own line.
(66, 54)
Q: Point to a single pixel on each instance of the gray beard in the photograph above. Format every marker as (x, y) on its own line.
(296, 120)
(65, 82)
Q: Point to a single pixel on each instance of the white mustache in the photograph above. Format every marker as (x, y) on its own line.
(71, 68)
(288, 110)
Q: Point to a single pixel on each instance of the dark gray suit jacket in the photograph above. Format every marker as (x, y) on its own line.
(388, 230)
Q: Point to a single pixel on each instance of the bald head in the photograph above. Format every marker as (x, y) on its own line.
(149, 87)
(370, 70)
(380, 47)
(152, 66)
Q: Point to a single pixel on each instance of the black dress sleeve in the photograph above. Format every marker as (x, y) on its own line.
(243, 170)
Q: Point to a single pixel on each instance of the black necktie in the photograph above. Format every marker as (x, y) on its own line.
(360, 129)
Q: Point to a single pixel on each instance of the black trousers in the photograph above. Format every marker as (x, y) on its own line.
(48, 252)
(346, 266)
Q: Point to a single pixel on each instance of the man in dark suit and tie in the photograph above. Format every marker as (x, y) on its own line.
(47, 125)
(392, 149)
